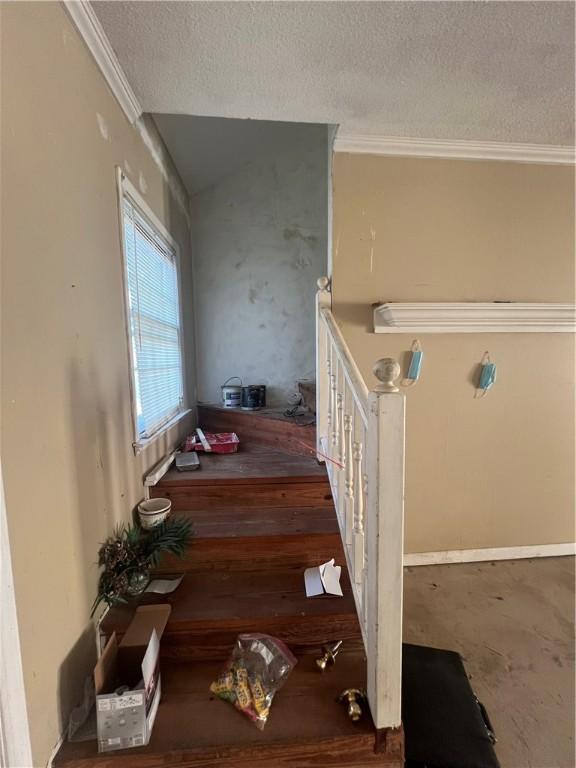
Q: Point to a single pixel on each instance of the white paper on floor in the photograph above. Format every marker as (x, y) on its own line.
(323, 580)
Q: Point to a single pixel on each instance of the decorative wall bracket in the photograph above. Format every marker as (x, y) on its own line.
(474, 317)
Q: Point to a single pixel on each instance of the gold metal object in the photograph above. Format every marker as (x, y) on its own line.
(330, 653)
(354, 698)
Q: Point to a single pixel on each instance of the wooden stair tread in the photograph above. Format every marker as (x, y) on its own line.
(307, 725)
(249, 522)
(228, 599)
(255, 538)
(251, 463)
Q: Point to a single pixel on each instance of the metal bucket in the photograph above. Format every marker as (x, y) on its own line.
(232, 393)
(253, 397)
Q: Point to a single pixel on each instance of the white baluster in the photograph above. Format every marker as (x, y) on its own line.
(334, 419)
(361, 481)
(340, 419)
(323, 302)
(329, 388)
(327, 445)
(339, 455)
(349, 479)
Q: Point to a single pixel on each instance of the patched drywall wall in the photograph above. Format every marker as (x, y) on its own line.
(259, 244)
(480, 473)
(70, 472)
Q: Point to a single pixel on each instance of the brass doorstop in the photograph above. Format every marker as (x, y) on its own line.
(329, 657)
(354, 698)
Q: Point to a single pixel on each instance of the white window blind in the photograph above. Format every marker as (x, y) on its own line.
(153, 322)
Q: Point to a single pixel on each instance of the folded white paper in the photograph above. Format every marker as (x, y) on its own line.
(164, 586)
(323, 580)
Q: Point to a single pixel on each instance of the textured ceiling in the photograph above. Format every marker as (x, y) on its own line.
(207, 149)
(500, 71)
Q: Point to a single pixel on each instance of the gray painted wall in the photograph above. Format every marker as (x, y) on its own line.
(259, 241)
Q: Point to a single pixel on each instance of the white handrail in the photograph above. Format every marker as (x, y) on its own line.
(360, 435)
(354, 377)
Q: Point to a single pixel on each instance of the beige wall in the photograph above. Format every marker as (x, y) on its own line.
(69, 469)
(490, 472)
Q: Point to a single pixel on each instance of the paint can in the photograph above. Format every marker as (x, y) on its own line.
(232, 393)
(253, 397)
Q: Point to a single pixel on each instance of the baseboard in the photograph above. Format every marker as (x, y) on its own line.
(55, 751)
(482, 555)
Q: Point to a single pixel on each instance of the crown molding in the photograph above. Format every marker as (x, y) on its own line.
(474, 317)
(90, 29)
(467, 150)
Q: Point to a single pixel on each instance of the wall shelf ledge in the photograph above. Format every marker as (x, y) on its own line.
(474, 317)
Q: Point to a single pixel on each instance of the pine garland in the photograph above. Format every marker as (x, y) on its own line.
(131, 551)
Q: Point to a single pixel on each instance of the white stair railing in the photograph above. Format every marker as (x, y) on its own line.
(360, 437)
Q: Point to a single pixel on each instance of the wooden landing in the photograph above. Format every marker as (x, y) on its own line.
(251, 463)
(308, 727)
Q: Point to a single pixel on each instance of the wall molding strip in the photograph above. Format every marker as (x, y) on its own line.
(474, 317)
(465, 150)
(486, 555)
(90, 29)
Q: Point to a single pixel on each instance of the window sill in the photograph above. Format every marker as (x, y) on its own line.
(141, 445)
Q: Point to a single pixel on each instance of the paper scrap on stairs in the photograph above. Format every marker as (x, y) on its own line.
(323, 580)
(164, 586)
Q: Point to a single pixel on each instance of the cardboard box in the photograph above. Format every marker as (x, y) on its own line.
(127, 681)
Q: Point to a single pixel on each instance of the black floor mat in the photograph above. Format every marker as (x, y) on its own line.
(443, 722)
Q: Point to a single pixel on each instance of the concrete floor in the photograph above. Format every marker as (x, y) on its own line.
(513, 623)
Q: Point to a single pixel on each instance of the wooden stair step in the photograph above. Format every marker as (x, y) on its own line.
(209, 609)
(266, 427)
(259, 539)
(307, 728)
(250, 522)
(253, 477)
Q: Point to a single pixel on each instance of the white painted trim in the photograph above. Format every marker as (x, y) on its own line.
(141, 445)
(125, 188)
(484, 555)
(474, 317)
(467, 150)
(55, 751)
(90, 29)
(15, 748)
(384, 560)
(159, 470)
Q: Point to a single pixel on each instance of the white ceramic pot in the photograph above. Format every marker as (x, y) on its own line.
(152, 512)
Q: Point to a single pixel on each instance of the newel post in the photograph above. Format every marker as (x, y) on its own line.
(385, 543)
(323, 368)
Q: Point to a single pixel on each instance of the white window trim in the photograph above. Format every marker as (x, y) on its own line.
(125, 187)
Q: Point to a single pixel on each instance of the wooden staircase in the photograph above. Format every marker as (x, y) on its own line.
(260, 517)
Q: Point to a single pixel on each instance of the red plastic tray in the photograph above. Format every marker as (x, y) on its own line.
(221, 442)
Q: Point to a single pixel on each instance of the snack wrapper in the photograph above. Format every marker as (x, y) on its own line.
(258, 667)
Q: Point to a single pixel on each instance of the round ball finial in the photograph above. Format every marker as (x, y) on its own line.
(387, 370)
(323, 283)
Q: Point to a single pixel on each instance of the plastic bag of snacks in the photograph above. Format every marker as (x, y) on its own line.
(257, 668)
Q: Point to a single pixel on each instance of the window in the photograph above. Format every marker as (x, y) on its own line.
(153, 309)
